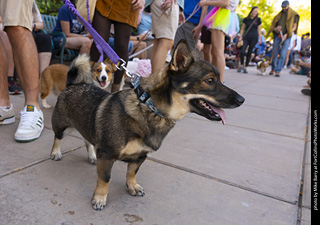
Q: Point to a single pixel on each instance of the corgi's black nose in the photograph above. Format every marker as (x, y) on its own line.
(240, 100)
(103, 78)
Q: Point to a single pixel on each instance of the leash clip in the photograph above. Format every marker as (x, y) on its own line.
(135, 80)
(134, 77)
(122, 66)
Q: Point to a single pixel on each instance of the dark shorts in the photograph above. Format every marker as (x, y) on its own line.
(205, 35)
(43, 41)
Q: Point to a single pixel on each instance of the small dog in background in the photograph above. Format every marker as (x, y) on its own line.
(54, 78)
(262, 67)
(102, 72)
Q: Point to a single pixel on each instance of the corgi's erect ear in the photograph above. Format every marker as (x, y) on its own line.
(108, 61)
(92, 63)
(181, 58)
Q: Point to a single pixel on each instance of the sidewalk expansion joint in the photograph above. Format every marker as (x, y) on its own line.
(36, 163)
(221, 181)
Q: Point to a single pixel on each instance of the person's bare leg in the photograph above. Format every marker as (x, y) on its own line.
(287, 57)
(207, 52)
(8, 49)
(44, 60)
(4, 94)
(138, 47)
(83, 44)
(154, 50)
(159, 54)
(295, 70)
(218, 60)
(26, 61)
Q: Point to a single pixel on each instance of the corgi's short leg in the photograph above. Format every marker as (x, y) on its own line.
(45, 103)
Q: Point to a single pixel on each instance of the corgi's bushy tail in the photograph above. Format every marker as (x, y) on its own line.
(80, 71)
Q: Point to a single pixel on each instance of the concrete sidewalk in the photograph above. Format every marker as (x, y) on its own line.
(246, 172)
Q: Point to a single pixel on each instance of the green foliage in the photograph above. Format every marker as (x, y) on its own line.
(266, 11)
(49, 7)
(305, 18)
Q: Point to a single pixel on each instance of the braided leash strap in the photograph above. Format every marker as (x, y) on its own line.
(88, 13)
(101, 44)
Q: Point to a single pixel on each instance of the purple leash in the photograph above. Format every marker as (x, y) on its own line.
(101, 44)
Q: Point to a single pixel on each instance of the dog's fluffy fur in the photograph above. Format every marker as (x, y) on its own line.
(121, 127)
(262, 67)
(54, 77)
(79, 71)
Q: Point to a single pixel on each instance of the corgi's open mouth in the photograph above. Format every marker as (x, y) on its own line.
(208, 110)
(102, 83)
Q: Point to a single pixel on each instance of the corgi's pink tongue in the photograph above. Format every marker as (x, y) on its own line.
(102, 84)
(220, 112)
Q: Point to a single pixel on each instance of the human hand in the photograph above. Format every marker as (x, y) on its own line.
(196, 31)
(143, 36)
(167, 4)
(138, 4)
(298, 62)
(278, 29)
(284, 37)
(89, 35)
(181, 18)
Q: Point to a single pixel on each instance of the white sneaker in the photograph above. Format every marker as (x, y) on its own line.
(7, 115)
(31, 124)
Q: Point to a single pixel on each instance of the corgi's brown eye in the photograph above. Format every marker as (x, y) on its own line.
(99, 70)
